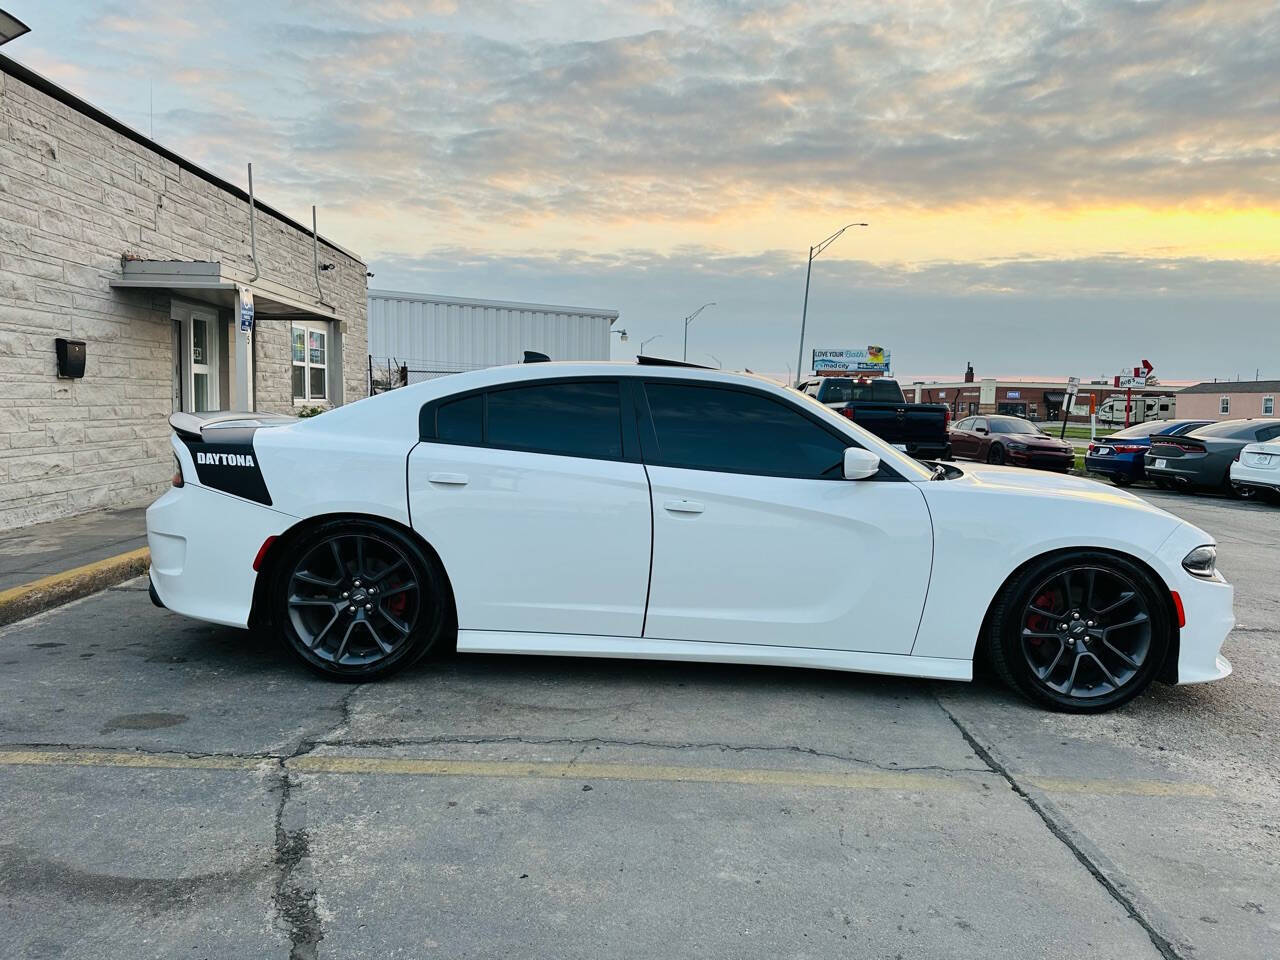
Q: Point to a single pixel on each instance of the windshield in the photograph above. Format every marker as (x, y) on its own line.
(1013, 425)
(911, 468)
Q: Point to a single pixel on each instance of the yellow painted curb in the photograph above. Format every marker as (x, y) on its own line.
(26, 599)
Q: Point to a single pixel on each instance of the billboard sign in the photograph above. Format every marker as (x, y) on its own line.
(864, 360)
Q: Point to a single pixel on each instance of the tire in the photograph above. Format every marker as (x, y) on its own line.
(1163, 484)
(1092, 668)
(360, 600)
(1120, 480)
(995, 454)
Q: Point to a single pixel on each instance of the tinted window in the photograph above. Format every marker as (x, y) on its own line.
(1140, 430)
(735, 431)
(574, 419)
(461, 421)
(1268, 433)
(1187, 427)
(1231, 429)
(1013, 425)
(843, 391)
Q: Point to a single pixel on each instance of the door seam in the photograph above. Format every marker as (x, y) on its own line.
(648, 591)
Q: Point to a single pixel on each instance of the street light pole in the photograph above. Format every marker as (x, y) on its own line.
(688, 320)
(645, 342)
(814, 251)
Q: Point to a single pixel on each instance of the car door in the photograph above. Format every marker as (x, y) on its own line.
(959, 436)
(537, 503)
(744, 484)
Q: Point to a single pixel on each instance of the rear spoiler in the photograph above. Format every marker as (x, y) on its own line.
(193, 425)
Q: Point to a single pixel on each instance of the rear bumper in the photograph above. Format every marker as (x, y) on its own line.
(1261, 478)
(1191, 474)
(929, 451)
(203, 544)
(1114, 467)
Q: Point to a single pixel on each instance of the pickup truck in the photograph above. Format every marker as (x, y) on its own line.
(921, 429)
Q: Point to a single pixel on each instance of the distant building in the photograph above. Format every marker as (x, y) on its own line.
(1043, 399)
(1229, 400)
(427, 335)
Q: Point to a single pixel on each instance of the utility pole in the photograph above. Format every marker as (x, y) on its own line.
(814, 251)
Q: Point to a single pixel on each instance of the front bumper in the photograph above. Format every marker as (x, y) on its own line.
(1207, 604)
(1041, 459)
(203, 544)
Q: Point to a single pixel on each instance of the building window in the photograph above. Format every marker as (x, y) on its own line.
(1224, 405)
(310, 361)
(1268, 406)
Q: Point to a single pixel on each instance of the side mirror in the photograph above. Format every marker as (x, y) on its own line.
(860, 464)
(981, 430)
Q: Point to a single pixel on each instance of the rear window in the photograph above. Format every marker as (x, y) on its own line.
(1231, 429)
(844, 391)
(1139, 430)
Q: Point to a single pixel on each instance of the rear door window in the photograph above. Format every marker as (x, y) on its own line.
(569, 419)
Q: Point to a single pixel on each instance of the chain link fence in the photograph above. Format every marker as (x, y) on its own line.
(387, 373)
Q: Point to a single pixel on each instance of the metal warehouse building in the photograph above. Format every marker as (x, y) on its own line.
(431, 335)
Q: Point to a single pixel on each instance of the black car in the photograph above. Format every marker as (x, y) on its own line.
(1201, 460)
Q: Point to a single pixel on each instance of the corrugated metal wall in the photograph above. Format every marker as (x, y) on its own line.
(420, 328)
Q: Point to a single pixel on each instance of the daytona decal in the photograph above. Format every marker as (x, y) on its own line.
(225, 459)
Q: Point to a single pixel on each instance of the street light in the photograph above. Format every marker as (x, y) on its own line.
(644, 343)
(688, 320)
(719, 365)
(621, 333)
(804, 314)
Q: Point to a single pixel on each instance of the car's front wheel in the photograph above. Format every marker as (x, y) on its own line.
(995, 454)
(1081, 632)
(358, 600)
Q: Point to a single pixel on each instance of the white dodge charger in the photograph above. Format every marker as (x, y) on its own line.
(659, 511)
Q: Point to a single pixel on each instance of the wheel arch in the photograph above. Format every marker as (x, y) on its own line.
(279, 549)
(1168, 671)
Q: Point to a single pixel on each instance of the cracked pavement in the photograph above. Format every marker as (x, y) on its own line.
(170, 788)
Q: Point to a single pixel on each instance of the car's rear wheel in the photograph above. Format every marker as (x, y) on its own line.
(358, 600)
(1163, 484)
(1120, 480)
(995, 454)
(1081, 632)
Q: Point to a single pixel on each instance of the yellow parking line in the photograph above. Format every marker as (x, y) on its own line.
(555, 770)
(1127, 788)
(905, 781)
(121, 758)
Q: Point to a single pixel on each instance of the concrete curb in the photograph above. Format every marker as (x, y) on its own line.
(27, 599)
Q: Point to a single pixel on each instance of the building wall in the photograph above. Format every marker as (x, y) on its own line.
(76, 196)
(463, 334)
(1206, 406)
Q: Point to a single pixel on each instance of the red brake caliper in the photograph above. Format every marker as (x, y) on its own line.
(1038, 623)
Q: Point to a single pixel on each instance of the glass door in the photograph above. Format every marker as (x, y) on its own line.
(202, 359)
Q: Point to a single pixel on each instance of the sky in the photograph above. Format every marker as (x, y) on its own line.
(1051, 188)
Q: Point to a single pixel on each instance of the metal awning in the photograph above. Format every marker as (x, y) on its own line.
(1054, 396)
(217, 284)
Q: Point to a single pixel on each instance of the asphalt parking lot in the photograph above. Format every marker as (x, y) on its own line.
(172, 789)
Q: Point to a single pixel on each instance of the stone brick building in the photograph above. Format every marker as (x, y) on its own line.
(108, 238)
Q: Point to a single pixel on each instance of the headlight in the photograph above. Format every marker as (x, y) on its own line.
(1014, 445)
(1201, 562)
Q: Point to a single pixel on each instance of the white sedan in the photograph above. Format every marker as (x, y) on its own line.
(1257, 469)
(657, 511)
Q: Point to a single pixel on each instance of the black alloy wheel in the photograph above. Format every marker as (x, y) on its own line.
(995, 454)
(357, 601)
(1083, 632)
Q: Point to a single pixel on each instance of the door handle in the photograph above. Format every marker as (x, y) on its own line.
(454, 479)
(683, 506)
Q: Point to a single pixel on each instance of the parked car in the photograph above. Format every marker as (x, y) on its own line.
(1012, 440)
(1201, 460)
(878, 404)
(1120, 456)
(1257, 468)
(640, 511)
